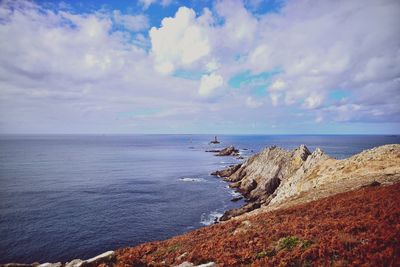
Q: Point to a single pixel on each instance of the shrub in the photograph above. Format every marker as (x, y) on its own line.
(288, 242)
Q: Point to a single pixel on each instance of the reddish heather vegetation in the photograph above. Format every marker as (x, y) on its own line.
(358, 228)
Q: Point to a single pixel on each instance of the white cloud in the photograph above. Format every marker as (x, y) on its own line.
(278, 85)
(275, 99)
(240, 27)
(180, 41)
(133, 23)
(212, 65)
(209, 83)
(61, 71)
(313, 101)
(147, 3)
(252, 103)
(83, 68)
(319, 119)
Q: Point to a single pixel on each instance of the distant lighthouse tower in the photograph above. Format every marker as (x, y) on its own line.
(215, 141)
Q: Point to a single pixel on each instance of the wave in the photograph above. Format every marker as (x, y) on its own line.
(192, 179)
(234, 193)
(212, 217)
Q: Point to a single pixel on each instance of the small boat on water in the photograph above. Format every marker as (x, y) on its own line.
(215, 141)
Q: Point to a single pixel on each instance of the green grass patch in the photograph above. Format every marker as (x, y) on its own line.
(174, 248)
(266, 253)
(306, 244)
(288, 242)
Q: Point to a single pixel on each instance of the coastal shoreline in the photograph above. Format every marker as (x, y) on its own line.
(256, 178)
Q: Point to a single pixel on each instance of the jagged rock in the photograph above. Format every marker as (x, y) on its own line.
(106, 257)
(74, 263)
(236, 199)
(272, 185)
(227, 172)
(48, 264)
(185, 264)
(228, 151)
(262, 173)
(247, 186)
(278, 178)
(209, 264)
(239, 211)
(182, 256)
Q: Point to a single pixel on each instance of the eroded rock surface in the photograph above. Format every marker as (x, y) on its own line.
(228, 151)
(277, 178)
(227, 172)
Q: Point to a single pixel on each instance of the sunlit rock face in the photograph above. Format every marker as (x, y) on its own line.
(276, 178)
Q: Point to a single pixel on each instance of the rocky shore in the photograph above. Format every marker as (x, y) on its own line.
(302, 208)
(276, 178)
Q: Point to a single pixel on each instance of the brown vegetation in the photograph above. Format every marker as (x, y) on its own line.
(357, 228)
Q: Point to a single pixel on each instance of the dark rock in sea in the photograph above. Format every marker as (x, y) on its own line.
(227, 172)
(228, 151)
(240, 157)
(213, 150)
(236, 199)
(239, 211)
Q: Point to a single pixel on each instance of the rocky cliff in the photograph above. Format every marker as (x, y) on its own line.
(276, 178)
(311, 210)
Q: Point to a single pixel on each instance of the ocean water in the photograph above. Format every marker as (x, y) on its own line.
(75, 196)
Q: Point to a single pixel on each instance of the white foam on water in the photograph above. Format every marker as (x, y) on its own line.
(210, 218)
(192, 179)
(234, 193)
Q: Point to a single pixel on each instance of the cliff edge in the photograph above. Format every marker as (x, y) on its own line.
(275, 178)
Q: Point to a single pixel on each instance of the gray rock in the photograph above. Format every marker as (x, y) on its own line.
(106, 257)
(48, 264)
(182, 256)
(228, 151)
(74, 263)
(227, 172)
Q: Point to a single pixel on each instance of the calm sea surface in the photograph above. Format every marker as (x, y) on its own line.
(76, 196)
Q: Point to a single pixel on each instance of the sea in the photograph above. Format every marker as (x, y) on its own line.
(64, 197)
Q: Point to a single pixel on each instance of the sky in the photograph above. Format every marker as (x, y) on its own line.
(218, 67)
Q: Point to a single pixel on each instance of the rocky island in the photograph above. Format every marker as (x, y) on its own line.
(302, 208)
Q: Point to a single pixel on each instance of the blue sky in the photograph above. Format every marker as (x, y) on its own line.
(226, 66)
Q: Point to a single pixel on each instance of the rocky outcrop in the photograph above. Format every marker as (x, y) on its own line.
(106, 258)
(213, 150)
(276, 178)
(227, 172)
(239, 211)
(228, 151)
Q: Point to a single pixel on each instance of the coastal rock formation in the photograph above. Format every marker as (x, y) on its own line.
(106, 259)
(309, 209)
(227, 172)
(228, 151)
(277, 178)
(329, 176)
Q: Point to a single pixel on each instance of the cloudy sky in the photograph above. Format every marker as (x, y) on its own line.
(168, 66)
